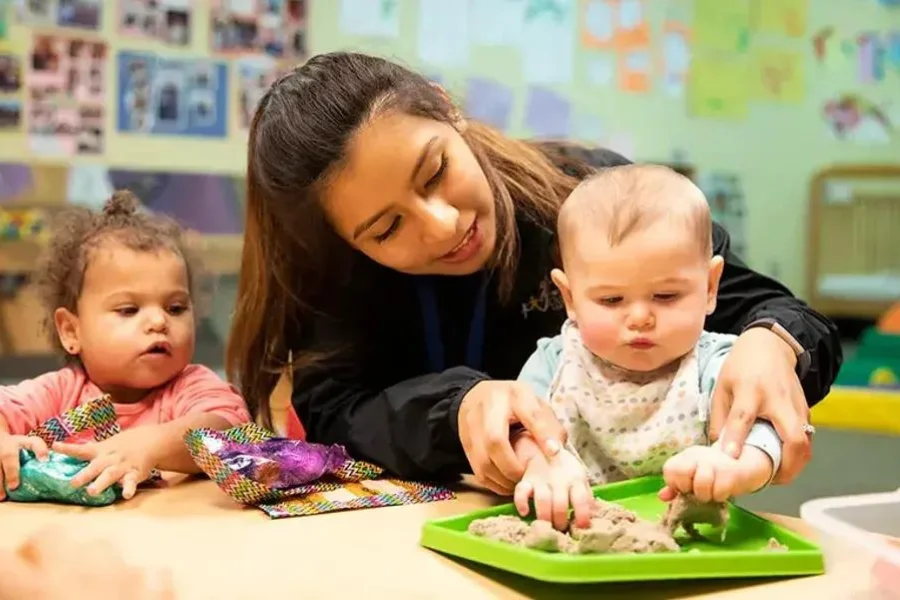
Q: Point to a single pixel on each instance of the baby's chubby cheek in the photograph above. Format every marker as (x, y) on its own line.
(599, 335)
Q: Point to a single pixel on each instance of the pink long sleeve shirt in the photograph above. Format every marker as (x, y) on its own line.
(196, 390)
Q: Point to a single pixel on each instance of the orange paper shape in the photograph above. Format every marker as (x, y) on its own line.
(614, 25)
(598, 23)
(635, 71)
(632, 31)
(778, 75)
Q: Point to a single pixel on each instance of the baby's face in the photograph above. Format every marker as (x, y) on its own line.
(641, 304)
(135, 321)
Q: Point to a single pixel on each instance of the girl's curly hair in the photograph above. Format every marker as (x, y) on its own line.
(76, 232)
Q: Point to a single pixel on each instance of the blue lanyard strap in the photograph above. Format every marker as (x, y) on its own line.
(434, 344)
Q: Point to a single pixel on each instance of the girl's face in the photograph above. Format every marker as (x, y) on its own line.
(413, 198)
(134, 330)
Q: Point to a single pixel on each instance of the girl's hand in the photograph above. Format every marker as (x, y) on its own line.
(554, 484)
(713, 476)
(9, 458)
(758, 381)
(125, 458)
(53, 565)
(484, 420)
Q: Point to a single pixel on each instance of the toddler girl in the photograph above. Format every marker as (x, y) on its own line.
(117, 289)
(632, 373)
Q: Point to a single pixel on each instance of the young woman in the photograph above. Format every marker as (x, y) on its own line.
(401, 256)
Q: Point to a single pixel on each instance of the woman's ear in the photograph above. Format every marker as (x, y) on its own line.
(66, 324)
(560, 280)
(716, 266)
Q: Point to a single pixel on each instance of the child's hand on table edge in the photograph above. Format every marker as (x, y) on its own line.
(553, 485)
(125, 458)
(711, 475)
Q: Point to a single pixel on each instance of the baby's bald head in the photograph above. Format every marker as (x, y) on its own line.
(620, 201)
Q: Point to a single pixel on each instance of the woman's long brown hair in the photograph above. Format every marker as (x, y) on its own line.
(292, 262)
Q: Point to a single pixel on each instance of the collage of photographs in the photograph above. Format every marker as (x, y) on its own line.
(10, 91)
(167, 21)
(159, 96)
(81, 14)
(276, 28)
(255, 75)
(66, 90)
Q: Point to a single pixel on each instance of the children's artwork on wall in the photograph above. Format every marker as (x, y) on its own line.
(3, 21)
(852, 118)
(82, 14)
(161, 96)
(547, 47)
(778, 74)
(168, 21)
(781, 17)
(67, 93)
(255, 76)
(10, 91)
(371, 18)
(675, 59)
(872, 54)
(273, 27)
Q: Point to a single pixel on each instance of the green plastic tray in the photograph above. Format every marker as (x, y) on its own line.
(743, 554)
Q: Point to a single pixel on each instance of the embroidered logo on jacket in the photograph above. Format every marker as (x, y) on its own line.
(546, 299)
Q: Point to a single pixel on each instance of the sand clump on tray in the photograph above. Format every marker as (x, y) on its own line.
(613, 529)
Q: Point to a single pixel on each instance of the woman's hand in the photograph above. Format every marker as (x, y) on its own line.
(758, 381)
(51, 565)
(485, 416)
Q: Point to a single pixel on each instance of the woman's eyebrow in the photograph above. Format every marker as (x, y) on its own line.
(422, 156)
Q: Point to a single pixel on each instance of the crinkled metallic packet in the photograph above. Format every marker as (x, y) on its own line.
(51, 481)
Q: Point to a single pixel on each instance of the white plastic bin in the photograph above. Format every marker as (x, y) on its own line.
(863, 528)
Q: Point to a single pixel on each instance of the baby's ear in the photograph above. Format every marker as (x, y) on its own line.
(560, 280)
(716, 266)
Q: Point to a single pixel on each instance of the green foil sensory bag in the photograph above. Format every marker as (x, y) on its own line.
(50, 480)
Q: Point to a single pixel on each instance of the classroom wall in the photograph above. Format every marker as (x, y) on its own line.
(737, 89)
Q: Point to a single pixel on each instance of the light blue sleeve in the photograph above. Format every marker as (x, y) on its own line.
(712, 350)
(540, 368)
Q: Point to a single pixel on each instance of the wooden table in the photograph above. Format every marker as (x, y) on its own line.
(219, 550)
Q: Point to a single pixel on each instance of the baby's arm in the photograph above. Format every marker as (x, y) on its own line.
(201, 401)
(540, 368)
(762, 442)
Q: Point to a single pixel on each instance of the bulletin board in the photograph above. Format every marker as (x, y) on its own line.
(161, 85)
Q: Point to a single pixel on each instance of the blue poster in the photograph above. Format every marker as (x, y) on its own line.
(171, 96)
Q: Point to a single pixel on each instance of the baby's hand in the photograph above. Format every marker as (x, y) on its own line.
(9, 458)
(124, 458)
(711, 475)
(555, 484)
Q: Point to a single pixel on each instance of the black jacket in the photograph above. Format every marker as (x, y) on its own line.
(387, 401)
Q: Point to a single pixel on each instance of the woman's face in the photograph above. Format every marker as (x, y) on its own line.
(412, 197)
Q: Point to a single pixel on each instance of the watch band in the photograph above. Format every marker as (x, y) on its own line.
(803, 358)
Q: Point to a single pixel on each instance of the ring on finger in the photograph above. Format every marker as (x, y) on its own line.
(809, 429)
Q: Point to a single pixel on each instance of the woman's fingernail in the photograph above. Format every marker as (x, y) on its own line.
(552, 446)
(731, 448)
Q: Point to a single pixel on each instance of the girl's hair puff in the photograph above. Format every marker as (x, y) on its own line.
(77, 232)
